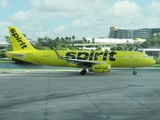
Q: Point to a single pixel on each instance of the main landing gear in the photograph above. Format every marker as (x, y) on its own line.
(134, 72)
(83, 72)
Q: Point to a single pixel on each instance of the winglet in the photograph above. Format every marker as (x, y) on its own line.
(58, 54)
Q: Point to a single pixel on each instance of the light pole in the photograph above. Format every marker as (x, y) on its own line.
(132, 36)
(132, 32)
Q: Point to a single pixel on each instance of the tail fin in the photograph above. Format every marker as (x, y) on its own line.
(19, 42)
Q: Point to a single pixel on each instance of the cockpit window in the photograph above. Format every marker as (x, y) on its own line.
(146, 56)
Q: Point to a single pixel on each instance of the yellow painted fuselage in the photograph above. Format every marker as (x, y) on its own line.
(115, 59)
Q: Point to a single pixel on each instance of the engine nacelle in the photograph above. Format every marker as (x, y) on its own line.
(101, 68)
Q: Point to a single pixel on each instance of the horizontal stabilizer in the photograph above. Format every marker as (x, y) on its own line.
(20, 55)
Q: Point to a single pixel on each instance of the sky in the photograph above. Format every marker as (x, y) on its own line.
(81, 18)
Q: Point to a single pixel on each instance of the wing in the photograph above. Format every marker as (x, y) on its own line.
(78, 62)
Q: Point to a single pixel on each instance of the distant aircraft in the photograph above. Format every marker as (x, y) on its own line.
(96, 61)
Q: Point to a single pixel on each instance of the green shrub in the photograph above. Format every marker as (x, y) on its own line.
(157, 60)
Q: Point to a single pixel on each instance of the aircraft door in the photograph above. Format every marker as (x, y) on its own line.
(33, 57)
(30, 56)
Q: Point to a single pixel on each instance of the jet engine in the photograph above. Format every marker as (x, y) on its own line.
(101, 68)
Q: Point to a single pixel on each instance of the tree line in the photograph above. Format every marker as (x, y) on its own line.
(58, 43)
(47, 43)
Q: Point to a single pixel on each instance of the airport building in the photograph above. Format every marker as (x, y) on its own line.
(106, 43)
(3, 44)
(122, 33)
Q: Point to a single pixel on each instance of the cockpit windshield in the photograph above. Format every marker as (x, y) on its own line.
(146, 56)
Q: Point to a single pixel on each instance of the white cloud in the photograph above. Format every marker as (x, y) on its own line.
(5, 24)
(94, 15)
(43, 33)
(86, 17)
(4, 3)
(120, 13)
(4, 30)
(59, 6)
(154, 9)
(29, 16)
(150, 15)
(59, 29)
(80, 23)
(20, 15)
(125, 9)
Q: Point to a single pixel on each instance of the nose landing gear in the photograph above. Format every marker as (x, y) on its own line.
(134, 72)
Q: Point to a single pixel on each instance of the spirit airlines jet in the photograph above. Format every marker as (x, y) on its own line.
(95, 61)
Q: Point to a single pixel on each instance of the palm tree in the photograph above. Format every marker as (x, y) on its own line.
(84, 40)
(69, 39)
(93, 40)
(66, 38)
(8, 41)
(73, 37)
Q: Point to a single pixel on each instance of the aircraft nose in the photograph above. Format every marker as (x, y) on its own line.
(152, 61)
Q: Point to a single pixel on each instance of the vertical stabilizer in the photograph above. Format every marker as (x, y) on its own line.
(19, 42)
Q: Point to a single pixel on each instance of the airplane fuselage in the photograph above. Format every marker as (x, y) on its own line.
(114, 58)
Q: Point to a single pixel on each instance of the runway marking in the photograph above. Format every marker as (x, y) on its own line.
(140, 103)
(46, 105)
(132, 97)
(26, 109)
(101, 116)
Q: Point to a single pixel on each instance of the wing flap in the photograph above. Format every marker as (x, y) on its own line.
(82, 62)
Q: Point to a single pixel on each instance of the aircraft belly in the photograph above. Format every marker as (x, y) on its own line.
(57, 62)
(124, 63)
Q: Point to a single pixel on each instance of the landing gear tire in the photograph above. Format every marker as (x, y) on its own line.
(83, 72)
(134, 73)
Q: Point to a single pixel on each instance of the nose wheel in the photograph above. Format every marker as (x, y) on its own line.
(134, 72)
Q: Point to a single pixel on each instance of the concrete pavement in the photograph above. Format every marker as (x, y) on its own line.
(66, 95)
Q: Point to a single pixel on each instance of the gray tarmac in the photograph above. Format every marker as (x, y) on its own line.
(66, 95)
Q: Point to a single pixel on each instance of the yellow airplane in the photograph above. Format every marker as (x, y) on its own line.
(96, 61)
